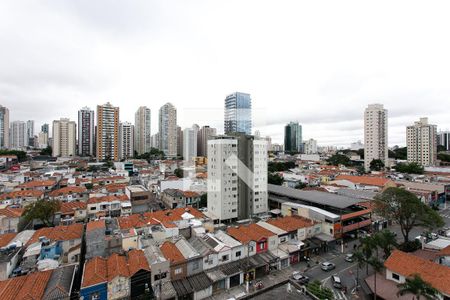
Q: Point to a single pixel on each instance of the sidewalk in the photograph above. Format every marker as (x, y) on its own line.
(269, 281)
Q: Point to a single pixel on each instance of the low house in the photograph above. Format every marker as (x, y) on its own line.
(94, 280)
(118, 276)
(178, 264)
(174, 198)
(31, 286)
(364, 182)
(262, 238)
(22, 198)
(69, 193)
(193, 258)
(238, 251)
(9, 219)
(71, 212)
(60, 283)
(37, 185)
(108, 206)
(95, 239)
(140, 275)
(9, 254)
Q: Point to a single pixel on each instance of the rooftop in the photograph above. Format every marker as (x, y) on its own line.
(171, 252)
(59, 233)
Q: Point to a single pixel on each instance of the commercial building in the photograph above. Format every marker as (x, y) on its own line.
(126, 140)
(86, 127)
(421, 143)
(293, 137)
(443, 139)
(375, 134)
(4, 127)
(142, 134)
(45, 128)
(204, 135)
(64, 138)
(237, 177)
(238, 113)
(107, 132)
(189, 145)
(310, 146)
(168, 130)
(30, 133)
(18, 135)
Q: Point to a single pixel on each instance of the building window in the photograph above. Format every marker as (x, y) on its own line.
(395, 276)
(238, 253)
(160, 276)
(224, 257)
(178, 271)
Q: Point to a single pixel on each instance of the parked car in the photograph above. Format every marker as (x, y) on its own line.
(327, 266)
(349, 257)
(300, 278)
(337, 283)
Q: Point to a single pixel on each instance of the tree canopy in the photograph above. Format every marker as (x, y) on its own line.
(47, 151)
(407, 210)
(444, 157)
(410, 168)
(273, 178)
(178, 172)
(154, 154)
(339, 159)
(21, 155)
(399, 153)
(418, 287)
(42, 210)
(376, 165)
(280, 166)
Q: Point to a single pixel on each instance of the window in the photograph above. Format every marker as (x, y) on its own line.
(195, 265)
(178, 271)
(238, 253)
(224, 257)
(395, 276)
(160, 276)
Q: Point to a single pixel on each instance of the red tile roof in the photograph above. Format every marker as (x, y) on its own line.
(37, 183)
(71, 207)
(445, 251)
(20, 194)
(407, 264)
(68, 190)
(365, 180)
(95, 225)
(171, 253)
(137, 261)
(30, 287)
(6, 238)
(59, 233)
(291, 223)
(117, 266)
(95, 272)
(252, 232)
(11, 212)
(109, 198)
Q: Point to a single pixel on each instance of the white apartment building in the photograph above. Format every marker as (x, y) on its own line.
(4, 127)
(310, 146)
(421, 143)
(168, 129)
(107, 132)
(126, 140)
(237, 177)
(142, 134)
(375, 134)
(204, 134)
(18, 135)
(64, 138)
(189, 145)
(443, 139)
(42, 140)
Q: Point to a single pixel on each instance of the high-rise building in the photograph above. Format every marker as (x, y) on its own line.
(30, 133)
(168, 130)
(86, 127)
(179, 141)
(204, 135)
(293, 137)
(310, 146)
(189, 144)
(64, 133)
(45, 128)
(126, 140)
(155, 140)
(142, 130)
(4, 127)
(421, 143)
(237, 177)
(107, 132)
(238, 113)
(42, 140)
(443, 139)
(18, 138)
(375, 134)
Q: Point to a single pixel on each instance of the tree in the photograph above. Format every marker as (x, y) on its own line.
(441, 148)
(274, 178)
(178, 172)
(385, 240)
(47, 151)
(42, 210)
(411, 168)
(376, 165)
(320, 291)
(407, 210)
(418, 287)
(399, 153)
(21, 155)
(154, 154)
(280, 166)
(377, 266)
(300, 185)
(365, 252)
(339, 159)
(444, 157)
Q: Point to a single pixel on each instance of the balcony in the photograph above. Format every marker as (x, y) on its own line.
(356, 226)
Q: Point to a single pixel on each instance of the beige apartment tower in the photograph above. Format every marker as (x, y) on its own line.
(375, 134)
(168, 130)
(107, 132)
(142, 126)
(421, 143)
(64, 134)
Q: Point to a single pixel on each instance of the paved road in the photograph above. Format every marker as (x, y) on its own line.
(283, 292)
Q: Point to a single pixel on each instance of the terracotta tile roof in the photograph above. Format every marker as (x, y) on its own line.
(93, 225)
(171, 253)
(190, 194)
(291, 223)
(365, 180)
(109, 198)
(6, 238)
(445, 251)
(117, 266)
(111, 178)
(71, 207)
(68, 190)
(37, 183)
(252, 232)
(137, 261)
(11, 212)
(31, 286)
(165, 217)
(95, 272)
(59, 233)
(407, 264)
(20, 194)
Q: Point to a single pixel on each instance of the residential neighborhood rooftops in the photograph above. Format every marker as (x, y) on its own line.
(366, 180)
(37, 183)
(93, 225)
(31, 286)
(21, 194)
(171, 252)
(11, 212)
(59, 233)
(291, 223)
(95, 272)
(67, 191)
(252, 232)
(137, 261)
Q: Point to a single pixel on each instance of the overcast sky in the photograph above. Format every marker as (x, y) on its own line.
(316, 62)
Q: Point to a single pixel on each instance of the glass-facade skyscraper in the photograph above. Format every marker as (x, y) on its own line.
(293, 137)
(238, 113)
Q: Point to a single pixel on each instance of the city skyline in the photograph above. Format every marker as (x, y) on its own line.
(151, 59)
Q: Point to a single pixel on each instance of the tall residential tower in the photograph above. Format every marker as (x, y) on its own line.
(168, 130)
(107, 132)
(238, 113)
(421, 143)
(86, 127)
(64, 135)
(4, 127)
(375, 134)
(142, 133)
